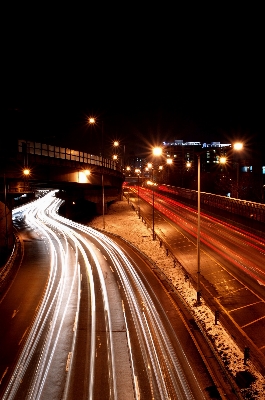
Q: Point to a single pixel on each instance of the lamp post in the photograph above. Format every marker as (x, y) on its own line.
(199, 233)
(222, 161)
(238, 146)
(157, 152)
(153, 204)
(138, 171)
(92, 121)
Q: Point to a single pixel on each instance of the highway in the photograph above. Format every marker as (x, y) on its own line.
(232, 264)
(85, 317)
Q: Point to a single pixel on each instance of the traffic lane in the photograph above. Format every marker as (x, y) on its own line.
(221, 279)
(246, 254)
(237, 295)
(116, 342)
(17, 309)
(174, 325)
(112, 371)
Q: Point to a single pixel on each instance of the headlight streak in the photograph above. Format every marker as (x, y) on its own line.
(106, 305)
(157, 324)
(38, 325)
(164, 343)
(164, 371)
(245, 264)
(40, 322)
(72, 235)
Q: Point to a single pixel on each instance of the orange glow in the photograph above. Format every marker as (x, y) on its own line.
(238, 146)
(169, 160)
(157, 151)
(115, 143)
(222, 160)
(91, 120)
(26, 171)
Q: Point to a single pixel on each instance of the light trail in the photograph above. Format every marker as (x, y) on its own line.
(164, 367)
(235, 250)
(151, 326)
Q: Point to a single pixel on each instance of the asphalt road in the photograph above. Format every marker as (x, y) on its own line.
(97, 324)
(232, 266)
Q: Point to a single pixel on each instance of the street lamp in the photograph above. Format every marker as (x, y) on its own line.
(115, 145)
(199, 232)
(222, 161)
(138, 171)
(238, 146)
(157, 152)
(92, 121)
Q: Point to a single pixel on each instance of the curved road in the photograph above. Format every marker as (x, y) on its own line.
(86, 319)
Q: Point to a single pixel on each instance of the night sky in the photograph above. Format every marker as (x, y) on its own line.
(150, 74)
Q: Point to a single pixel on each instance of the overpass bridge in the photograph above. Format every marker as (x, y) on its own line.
(27, 166)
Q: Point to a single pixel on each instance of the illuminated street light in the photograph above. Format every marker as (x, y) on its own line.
(138, 171)
(92, 121)
(157, 151)
(199, 233)
(238, 146)
(222, 160)
(26, 172)
(83, 175)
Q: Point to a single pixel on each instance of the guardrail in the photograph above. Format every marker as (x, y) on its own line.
(243, 208)
(64, 153)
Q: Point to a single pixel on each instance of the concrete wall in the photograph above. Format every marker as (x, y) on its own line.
(6, 231)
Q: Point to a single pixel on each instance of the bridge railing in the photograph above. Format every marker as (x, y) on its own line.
(64, 153)
(243, 208)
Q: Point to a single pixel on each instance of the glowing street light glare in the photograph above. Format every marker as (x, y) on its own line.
(26, 171)
(115, 157)
(157, 151)
(169, 161)
(238, 146)
(86, 172)
(149, 165)
(116, 143)
(91, 120)
(188, 164)
(222, 160)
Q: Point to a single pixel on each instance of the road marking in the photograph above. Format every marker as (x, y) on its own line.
(253, 322)
(2, 377)
(14, 313)
(247, 305)
(23, 336)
